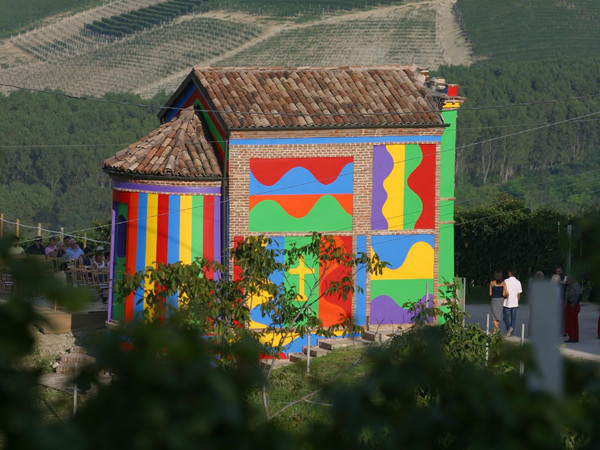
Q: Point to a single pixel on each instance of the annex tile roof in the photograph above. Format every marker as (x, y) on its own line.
(177, 148)
(319, 97)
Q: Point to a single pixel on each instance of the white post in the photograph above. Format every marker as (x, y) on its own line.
(544, 338)
(522, 364)
(487, 333)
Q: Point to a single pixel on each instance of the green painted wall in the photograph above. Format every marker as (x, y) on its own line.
(447, 155)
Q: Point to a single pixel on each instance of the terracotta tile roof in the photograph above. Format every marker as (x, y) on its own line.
(177, 148)
(319, 97)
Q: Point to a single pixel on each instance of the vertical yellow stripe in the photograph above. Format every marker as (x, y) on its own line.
(151, 233)
(393, 209)
(185, 230)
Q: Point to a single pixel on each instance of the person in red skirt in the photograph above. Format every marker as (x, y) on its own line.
(573, 294)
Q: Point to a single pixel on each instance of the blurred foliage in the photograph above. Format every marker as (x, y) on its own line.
(429, 388)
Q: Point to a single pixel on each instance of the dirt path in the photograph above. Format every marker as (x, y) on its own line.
(457, 50)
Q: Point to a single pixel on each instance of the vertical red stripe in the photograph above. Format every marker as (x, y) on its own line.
(120, 196)
(162, 234)
(208, 239)
(130, 256)
(162, 246)
(422, 182)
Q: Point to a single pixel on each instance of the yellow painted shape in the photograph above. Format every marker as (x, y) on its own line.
(417, 265)
(393, 208)
(451, 105)
(301, 271)
(253, 302)
(151, 236)
(185, 229)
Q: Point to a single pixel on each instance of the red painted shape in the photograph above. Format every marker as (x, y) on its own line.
(162, 247)
(422, 183)
(120, 196)
(162, 229)
(208, 238)
(333, 308)
(325, 170)
(300, 205)
(131, 251)
(237, 270)
(452, 90)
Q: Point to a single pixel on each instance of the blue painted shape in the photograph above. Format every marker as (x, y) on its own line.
(339, 140)
(301, 181)
(140, 265)
(361, 282)
(183, 97)
(173, 245)
(394, 249)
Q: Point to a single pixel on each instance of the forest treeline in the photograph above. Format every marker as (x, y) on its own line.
(51, 153)
(52, 147)
(517, 148)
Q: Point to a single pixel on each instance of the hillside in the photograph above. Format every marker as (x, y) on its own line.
(65, 55)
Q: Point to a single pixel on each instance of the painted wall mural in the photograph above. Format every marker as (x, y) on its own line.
(311, 278)
(158, 227)
(411, 259)
(301, 194)
(403, 196)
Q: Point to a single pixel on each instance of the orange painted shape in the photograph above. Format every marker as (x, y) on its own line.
(300, 205)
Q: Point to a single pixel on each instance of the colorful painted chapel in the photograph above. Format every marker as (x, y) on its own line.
(365, 154)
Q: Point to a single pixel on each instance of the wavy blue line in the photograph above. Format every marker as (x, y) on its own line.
(301, 181)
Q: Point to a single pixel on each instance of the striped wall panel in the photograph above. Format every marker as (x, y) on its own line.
(161, 228)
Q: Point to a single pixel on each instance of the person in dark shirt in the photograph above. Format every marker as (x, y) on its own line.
(36, 248)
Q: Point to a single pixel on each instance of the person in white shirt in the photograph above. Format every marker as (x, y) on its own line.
(511, 302)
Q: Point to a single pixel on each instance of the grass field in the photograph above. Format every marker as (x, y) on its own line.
(398, 38)
(531, 29)
(345, 366)
(15, 18)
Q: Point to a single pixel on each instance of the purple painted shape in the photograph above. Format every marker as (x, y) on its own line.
(111, 271)
(429, 305)
(383, 164)
(167, 189)
(384, 311)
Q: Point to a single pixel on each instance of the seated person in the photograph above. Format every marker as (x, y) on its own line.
(74, 252)
(60, 249)
(99, 262)
(51, 248)
(16, 249)
(86, 259)
(36, 248)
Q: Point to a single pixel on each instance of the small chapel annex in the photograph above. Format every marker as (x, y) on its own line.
(364, 153)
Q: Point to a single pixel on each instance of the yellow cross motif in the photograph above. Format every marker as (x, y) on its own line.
(301, 270)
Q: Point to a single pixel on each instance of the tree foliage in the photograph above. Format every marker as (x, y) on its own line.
(506, 234)
(51, 153)
(553, 165)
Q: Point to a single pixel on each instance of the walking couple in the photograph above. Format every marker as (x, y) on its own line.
(505, 296)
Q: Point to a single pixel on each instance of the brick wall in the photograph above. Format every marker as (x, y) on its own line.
(240, 155)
